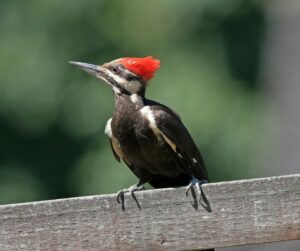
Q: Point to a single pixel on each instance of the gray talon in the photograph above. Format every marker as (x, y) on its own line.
(197, 183)
(130, 190)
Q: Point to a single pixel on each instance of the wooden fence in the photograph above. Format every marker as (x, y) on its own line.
(228, 214)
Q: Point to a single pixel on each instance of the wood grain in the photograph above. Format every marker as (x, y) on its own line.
(237, 213)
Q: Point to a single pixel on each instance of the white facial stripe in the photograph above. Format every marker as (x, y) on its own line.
(109, 73)
(128, 72)
(147, 113)
(116, 90)
(104, 79)
(132, 86)
(117, 78)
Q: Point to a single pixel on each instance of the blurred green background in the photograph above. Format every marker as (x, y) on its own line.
(52, 116)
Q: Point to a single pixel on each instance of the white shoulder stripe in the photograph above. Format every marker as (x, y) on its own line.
(148, 113)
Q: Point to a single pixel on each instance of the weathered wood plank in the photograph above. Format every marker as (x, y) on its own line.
(242, 212)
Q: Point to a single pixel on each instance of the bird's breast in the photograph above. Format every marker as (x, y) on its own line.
(134, 133)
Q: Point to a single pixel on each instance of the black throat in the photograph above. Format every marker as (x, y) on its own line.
(128, 103)
(126, 117)
(127, 112)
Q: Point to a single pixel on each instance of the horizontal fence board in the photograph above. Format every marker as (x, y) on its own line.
(235, 213)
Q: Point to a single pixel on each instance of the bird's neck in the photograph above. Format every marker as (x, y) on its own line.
(129, 103)
(126, 113)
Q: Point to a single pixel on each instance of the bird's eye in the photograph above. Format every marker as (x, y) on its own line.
(116, 70)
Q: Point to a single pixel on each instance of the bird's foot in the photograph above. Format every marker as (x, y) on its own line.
(197, 183)
(202, 198)
(131, 190)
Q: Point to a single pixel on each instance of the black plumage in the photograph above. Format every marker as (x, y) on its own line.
(150, 155)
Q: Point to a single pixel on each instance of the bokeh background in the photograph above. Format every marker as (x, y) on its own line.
(229, 68)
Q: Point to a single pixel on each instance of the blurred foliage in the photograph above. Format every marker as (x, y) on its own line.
(52, 116)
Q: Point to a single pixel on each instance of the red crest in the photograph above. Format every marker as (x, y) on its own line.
(143, 67)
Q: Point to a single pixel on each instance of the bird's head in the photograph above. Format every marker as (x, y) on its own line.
(125, 75)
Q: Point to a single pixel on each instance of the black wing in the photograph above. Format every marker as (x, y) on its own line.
(139, 172)
(117, 157)
(177, 136)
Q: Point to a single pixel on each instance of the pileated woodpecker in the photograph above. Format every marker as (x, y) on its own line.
(148, 136)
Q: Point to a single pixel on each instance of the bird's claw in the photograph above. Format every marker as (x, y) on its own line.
(131, 190)
(197, 183)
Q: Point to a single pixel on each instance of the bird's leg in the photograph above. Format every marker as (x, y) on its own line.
(136, 187)
(195, 182)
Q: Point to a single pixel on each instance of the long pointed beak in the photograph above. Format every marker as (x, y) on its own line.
(95, 70)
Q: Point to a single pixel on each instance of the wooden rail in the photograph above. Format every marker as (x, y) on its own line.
(229, 214)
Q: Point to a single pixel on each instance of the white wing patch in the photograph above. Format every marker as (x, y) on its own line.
(108, 130)
(131, 86)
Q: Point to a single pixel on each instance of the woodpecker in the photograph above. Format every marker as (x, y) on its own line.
(147, 136)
